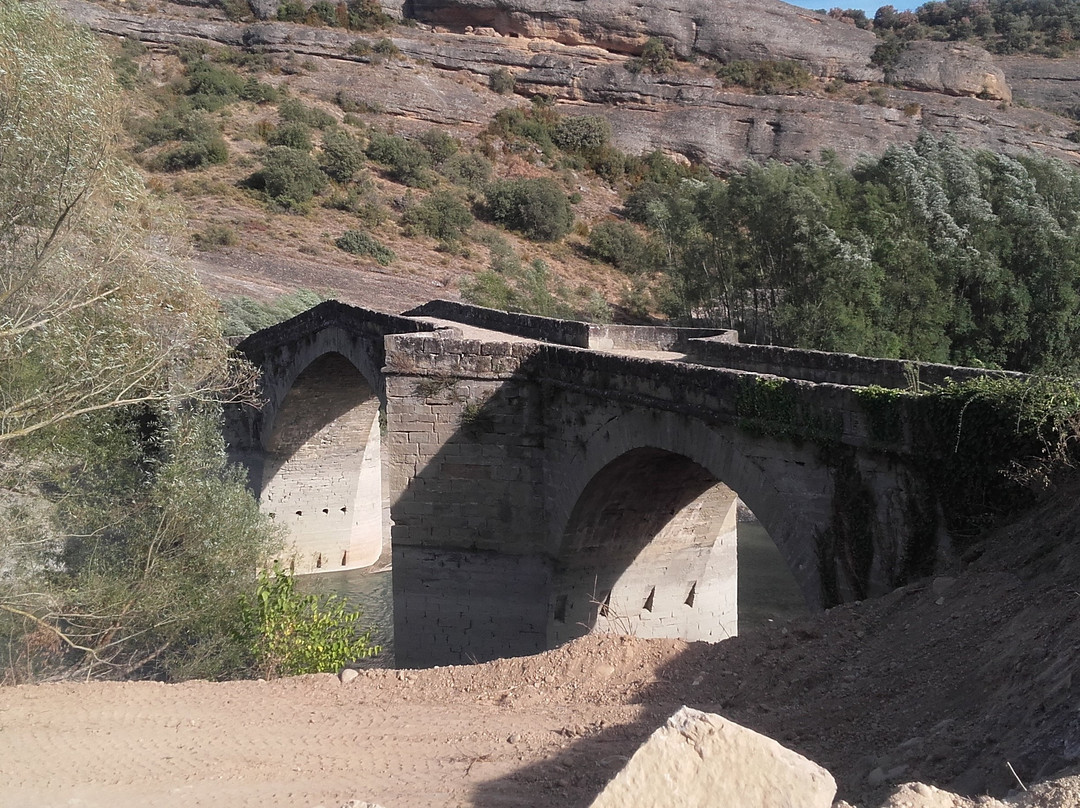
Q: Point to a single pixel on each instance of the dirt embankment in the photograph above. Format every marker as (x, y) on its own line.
(944, 682)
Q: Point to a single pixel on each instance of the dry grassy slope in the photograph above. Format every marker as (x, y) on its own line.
(279, 251)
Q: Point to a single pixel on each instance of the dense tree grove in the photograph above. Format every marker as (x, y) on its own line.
(930, 252)
(1002, 26)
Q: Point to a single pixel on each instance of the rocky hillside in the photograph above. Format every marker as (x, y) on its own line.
(584, 56)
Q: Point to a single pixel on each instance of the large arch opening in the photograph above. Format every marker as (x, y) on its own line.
(653, 548)
(322, 477)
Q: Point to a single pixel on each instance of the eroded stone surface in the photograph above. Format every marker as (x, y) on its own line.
(701, 759)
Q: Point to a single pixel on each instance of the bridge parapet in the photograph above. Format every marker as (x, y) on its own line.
(570, 332)
(831, 368)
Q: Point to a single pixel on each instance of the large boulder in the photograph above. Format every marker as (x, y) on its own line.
(954, 68)
(700, 760)
(721, 29)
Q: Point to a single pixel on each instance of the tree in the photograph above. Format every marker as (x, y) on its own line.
(92, 315)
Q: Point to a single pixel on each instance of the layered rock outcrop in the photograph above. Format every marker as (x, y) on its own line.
(443, 78)
(953, 68)
(721, 29)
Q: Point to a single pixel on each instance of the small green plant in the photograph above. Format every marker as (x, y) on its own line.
(291, 634)
(581, 133)
(407, 161)
(439, 144)
(386, 49)
(294, 134)
(293, 111)
(358, 242)
(468, 169)
(621, 245)
(341, 156)
(879, 96)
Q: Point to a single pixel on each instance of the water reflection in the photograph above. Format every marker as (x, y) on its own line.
(370, 592)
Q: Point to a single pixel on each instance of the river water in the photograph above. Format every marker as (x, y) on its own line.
(767, 591)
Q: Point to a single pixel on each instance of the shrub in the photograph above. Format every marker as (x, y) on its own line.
(290, 177)
(515, 123)
(257, 92)
(440, 215)
(655, 57)
(765, 77)
(211, 87)
(359, 47)
(357, 242)
(244, 316)
(536, 207)
(408, 162)
(386, 49)
(294, 134)
(439, 144)
(620, 245)
(366, 208)
(501, 81)
(216, 235)
(322, 11)
(367, 15)
(581, 133)
(469, 169)
(291, 11)
(294, 111)
(290, 634)
(342, 156)
(609, 163)
(193, 155)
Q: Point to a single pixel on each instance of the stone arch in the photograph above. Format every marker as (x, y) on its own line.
(321, 475)
(785, 485)
(281, 369)
(649, 550)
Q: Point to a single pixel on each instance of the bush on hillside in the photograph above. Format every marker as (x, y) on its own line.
(582, 133)
(357, 242)
(536, 207)
(620, 244)
(440, 215)
(407, 162)
(469, 169)
(291, 178)
(341, 156)
(293, 134)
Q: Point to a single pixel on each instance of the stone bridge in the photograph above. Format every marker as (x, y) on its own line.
(533, 479)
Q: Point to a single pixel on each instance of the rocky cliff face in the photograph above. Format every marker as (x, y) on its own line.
(720, 29)
(689, 112)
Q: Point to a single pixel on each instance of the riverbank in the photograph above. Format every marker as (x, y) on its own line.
(944, 682)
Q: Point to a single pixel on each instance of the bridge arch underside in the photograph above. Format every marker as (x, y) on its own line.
(322, 469)
(649, 550)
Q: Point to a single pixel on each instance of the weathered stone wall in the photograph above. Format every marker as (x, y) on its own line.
(571, 332)
(830, 368)
(465, 468)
